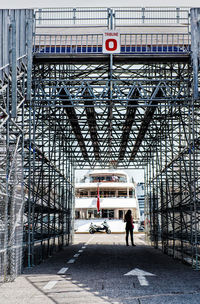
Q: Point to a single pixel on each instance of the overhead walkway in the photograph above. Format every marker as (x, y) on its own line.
(141, 32)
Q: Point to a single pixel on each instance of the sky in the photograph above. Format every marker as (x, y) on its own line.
(95, 3)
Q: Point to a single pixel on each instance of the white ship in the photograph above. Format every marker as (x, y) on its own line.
(116, 195)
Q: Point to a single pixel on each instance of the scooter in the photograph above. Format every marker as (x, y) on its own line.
(103, 227)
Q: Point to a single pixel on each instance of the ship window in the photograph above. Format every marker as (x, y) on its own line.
(83, 193)
(121, 214)
(108, 178)
(132, 193)
(115, 178)
(93, 193)
(108, 193)
(92, 213)
(94, 179)
(107, 213)
(122, 179)
(77, 214)
(122, 193)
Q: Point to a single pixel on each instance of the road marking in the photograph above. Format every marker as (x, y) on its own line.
(71, 261)
(76, 255)
(62, 270)
(80, 251)
(140, 242)
(143, 281)
(50, 285)
(89, 240)
(83, 247)
(141, 276)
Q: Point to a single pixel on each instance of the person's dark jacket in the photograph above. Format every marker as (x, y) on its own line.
(129, 221)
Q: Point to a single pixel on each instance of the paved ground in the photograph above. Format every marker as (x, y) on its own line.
(92, 271)
(116, 226)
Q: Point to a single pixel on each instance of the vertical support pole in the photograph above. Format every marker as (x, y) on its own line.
(111, 19)
(23, 176)
(73, 198)
(143, 14)
(178, 15)
(195, 47)
(150, 201)
(40, 16)
(196, 263)
(59, 179)
(173, 180)
(29, 35)
(14, 66)
(42, 186)
(166, 209)
(181, 185)
(74, 15)
(110, 114)
(6, 234)
(110, 108)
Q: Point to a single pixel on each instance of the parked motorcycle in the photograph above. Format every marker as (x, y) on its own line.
(96, 228)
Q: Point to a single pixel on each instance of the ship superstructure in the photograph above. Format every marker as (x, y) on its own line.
(116, 194)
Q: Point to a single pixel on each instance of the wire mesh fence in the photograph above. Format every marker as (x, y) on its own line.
(11, 211)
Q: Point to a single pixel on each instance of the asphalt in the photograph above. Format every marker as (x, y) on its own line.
(94, 272)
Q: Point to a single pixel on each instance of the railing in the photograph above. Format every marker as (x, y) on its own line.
(134, 43)
(150, 15)
(155, 43)
(62, 17)
(90, 43)
(130, 16)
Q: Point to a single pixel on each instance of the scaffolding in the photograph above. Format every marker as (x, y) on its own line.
(62, 110)
(36, 182)
(15, 74)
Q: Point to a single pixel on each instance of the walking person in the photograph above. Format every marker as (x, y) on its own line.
(129, 227)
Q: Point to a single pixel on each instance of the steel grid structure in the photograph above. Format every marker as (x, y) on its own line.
(49, 206)
(136, 115)
(133, 113)
(173, 186)
(89, 94)
(36, 190)
(15, 80)
(97, 111)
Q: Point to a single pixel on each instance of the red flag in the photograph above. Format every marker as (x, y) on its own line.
(98, 200)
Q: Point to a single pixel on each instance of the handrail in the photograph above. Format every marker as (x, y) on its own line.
(130, 43)
(118, 16)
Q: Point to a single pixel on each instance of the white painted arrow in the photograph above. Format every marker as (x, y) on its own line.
(141, 275)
